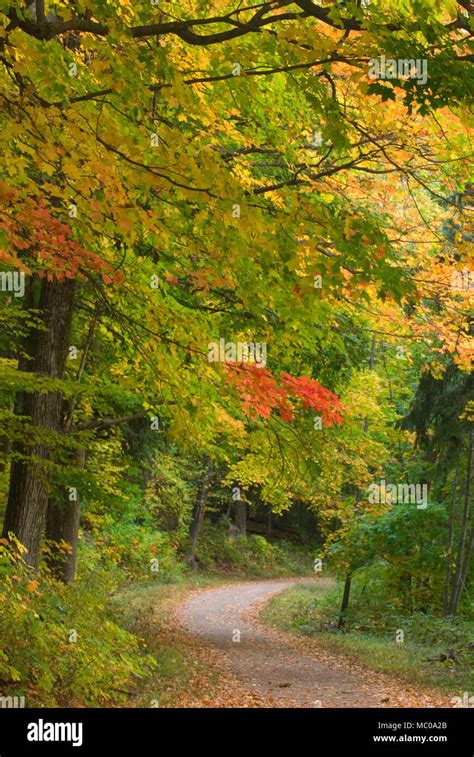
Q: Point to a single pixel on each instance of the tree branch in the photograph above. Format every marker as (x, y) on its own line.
(102, 423)
(43, 29)
(40, 10)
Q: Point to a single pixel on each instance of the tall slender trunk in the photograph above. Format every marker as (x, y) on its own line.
(348, 580)
(467, 562)
(449, 556)
(62, 525)
(30, 476)
(63, 517)
(199, 508)
(464, 552)
(269, 523)
(241, 516)
(345, 601)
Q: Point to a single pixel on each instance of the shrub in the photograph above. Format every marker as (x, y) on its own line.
(132, 547)
(57, 645)
(251, 555)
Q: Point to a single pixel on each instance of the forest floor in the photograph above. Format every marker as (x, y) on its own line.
(257, 666)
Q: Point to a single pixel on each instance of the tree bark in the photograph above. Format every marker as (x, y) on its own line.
(63, 517)
(62, 525)
(241, 516)
(345, 601)
(348, 581)
(449, 556)
(198, 510)
(464, 555)
(269, 523)
(30, 478)
(467, 562)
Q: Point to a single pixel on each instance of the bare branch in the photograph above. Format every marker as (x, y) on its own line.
(40, 10)
(102, 423)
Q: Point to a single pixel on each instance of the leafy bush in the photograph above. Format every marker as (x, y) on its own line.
(57, 645)
(373, 611)
(132, 547)
(249, 555)
(169, 494)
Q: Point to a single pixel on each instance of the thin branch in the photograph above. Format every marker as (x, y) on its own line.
(40, 16)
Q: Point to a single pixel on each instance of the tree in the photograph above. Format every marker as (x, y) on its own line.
(124, 194)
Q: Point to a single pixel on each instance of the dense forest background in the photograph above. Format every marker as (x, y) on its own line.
(236, 330)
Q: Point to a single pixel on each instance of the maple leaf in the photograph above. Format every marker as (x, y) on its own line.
(261, 393)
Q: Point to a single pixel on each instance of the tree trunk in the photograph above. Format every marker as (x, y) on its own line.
(63, 517)
(449, 556)
(464, 556)
(198, 510)
(347, 583)
(269, 523)
(29, 477)
(241, 516)
(345, 600)
(467, 562)
(62, 525)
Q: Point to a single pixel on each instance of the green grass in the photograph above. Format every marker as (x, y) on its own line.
(252, 556)
(143, 608)
(304, 610)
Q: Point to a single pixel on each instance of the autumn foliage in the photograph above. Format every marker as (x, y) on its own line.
(37, 241)
(261, 393)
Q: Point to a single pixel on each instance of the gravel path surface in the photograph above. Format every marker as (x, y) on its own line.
(286, 670)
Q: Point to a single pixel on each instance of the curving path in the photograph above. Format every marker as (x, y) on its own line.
(285, 670)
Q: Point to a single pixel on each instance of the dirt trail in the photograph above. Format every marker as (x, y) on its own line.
(285, 670)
